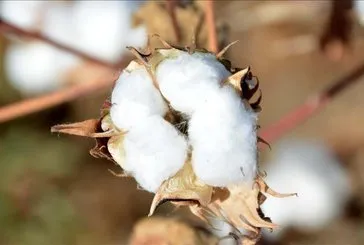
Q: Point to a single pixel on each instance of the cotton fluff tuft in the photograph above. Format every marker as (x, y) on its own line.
(223, 136)
(187, 79)
(134, 98)
(322, 185)
(154, 150)
(221, 129)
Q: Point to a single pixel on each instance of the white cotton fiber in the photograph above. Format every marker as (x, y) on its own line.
(221, 229)
(187, 80)
(134, 98)
(221, 129)
(223, 136)
(312, 171)
(36, 67)
(154, 151)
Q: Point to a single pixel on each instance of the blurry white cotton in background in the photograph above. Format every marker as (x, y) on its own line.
(36, 67)
(25, 14)
(98, 28)
(312, 171)
(104, 28)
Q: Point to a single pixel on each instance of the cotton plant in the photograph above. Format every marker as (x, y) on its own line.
(321, 182)
(100, 29)
(179, 122)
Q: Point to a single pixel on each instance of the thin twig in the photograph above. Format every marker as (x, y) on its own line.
(211, 25)
(6, 27)
(310, 107)
(336, 37)
(171, 7)
(32, 105)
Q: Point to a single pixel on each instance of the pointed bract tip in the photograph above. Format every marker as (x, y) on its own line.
(224, 50)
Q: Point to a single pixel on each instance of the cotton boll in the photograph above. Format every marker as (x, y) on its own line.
(223, 136)
(24, 14)
(312, 171)
(134, 97)
(36, 67)
(186, 80)
(154, 151)
(104, 28)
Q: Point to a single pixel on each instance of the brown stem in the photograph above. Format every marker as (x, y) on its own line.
(211, 25)
(32, 105)
(6, 27)
(336, 36)
(171, 7)
(310, 107)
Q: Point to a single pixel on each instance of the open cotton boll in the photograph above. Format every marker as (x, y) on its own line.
(186, 80)
(134, 97)
(24, 14)
(223, 136)
(154, 151)
(104, 28)
(322, 185)
(36, 67)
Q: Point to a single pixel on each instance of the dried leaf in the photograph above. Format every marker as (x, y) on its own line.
(85, 128)
(242, 205)
(224, 50)
(184, 188)
(266, 189)
(100, 149)
(236, 78)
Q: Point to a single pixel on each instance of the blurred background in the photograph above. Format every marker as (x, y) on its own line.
(53, 192)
